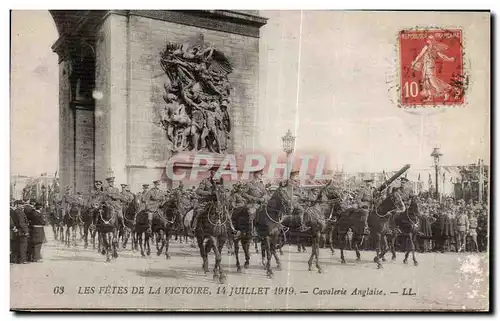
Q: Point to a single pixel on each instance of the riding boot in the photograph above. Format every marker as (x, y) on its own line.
(303, 227)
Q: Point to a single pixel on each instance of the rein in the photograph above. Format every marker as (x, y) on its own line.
(109, 221)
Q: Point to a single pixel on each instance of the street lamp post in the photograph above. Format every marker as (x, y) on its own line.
(288, 148)
(436, 154)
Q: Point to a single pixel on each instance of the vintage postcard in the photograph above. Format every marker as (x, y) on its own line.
(232, 160)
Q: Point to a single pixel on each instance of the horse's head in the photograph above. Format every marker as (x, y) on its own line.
(281, 199)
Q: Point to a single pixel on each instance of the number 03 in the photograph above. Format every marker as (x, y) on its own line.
(411, 89)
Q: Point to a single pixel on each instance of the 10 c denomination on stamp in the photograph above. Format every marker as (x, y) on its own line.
(431, 67)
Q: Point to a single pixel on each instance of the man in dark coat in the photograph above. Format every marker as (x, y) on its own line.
(21, 233)
(37, 233)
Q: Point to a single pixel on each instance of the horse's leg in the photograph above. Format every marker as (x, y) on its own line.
(263, 252)
(159, 237)
(330, 239)
(313, 247)
(379, 254)
(274, 253)
(356, 248)
(385, 247)
(167, 243)
(75, 227)
(67, 235)
(237, 254)
(392, 245)
(299, 248)
(245, 244)
(406, 248)
(413, 239)
(147, 243)
(256, 243)
(115, 242)
(54, 230)
(106, 245)
(139, 240)
(267, 242)
(316, 253)
(203, 253)
(215, 247)
(221, 240)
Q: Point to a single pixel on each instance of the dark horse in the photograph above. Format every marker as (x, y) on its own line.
(88, 218)
(129, 222)
(72, 220)
(164, 221)
(408, 223)
(143, 232)
(56, 221)
(241, 220)
(107, 226)
(380, 222)
(268, 223)
(212, 227)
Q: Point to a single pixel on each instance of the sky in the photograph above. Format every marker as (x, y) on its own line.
(328, 76)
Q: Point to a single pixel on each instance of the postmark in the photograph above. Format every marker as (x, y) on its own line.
(431, 67)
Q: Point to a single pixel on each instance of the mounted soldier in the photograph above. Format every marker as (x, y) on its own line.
(127, 196)
(365, 198)
(153, 199)
(113, 199)
(236, 196)
(206, 193)
(296, 192)
(96, 195)
(141, 197)
(69, 200)
(255, 194)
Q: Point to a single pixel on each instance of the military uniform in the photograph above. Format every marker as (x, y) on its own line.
(462, 228)
(296, 193)
(206, 196)
(68, 201)
(365, 201)
(112, 199)
(127, 198)
(21, 233)
(141, 198)
(37, 233)
(153, 199)
(255, 194)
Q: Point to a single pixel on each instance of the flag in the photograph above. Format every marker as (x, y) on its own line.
(418, 177)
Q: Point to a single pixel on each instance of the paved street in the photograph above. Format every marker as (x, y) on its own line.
(441, 281)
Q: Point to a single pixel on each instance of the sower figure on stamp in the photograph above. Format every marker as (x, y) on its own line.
(153, 199)
(113, 200)
(295, 190)
(255, 194)
(206, 195)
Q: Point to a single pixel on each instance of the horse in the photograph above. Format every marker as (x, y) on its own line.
(143, 232)
(129, 221)
(88, 219)
(212, 227)
(56, 221)
(241, 219)
(164, 220)
(318, 217)
(350, 230)
(408, 223)
(184, 206)
(379, 222)
(71, 220)
(107, 226)
(268, 223)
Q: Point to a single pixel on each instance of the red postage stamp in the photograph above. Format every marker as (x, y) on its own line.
(431, 63)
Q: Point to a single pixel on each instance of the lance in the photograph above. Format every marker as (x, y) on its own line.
(393, 178)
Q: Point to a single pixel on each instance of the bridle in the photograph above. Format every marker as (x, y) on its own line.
(108, 222)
